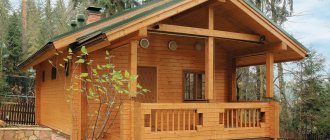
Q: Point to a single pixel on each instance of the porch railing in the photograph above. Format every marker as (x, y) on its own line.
(172, 120)
(206, 120)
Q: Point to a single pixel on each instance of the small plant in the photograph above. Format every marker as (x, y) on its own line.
(104, 88)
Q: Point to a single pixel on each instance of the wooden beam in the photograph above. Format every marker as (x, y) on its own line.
(211, 17)
(269, 75)
(143, 32)
(216, 2)
(133, 65)
(275, 47)
(209, 59)
(209, 67)
(207, 32)
(97, 46)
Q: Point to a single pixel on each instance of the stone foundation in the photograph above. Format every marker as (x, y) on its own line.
(29, 133)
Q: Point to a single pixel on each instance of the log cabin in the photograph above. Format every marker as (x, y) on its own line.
(186, 53)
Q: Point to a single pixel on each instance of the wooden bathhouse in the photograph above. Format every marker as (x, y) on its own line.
(186, 53)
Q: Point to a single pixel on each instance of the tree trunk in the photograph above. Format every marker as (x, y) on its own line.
(24, 26)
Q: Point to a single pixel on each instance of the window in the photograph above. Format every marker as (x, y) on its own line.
(53, 73)
(66, 68)
(43, 76)
(194, 86)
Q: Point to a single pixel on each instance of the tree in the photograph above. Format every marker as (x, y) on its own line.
(311, 96)
(110, 6)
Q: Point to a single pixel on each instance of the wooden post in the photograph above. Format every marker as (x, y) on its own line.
(133, 71)
(276, 122)
(233, 81)
(209, 59)
(269, 75)
(133, 65)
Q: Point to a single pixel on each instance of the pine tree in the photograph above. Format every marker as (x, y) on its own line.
(311, 96)
(14, 45)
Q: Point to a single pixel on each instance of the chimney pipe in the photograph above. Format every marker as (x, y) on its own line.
(94, 14)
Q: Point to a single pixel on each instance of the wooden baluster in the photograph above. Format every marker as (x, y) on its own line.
(241, 117)
(156, 120)
(173, 120)
(236, 112)
(184, 120)
(244, 117)
(179, 120)
(161, 120)
(189, 120)
(194, 119)
(167, 120)
(227, 111)
(249, 121)
(232, 118)
(253, 115)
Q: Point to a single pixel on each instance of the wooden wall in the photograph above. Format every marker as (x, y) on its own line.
(120, 60)
(53, 109)
(55, 112)
(171, 64)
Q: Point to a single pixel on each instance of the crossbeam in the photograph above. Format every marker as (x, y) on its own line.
(205, 32)
(275, 47)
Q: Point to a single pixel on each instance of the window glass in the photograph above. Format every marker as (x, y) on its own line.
(194, 86)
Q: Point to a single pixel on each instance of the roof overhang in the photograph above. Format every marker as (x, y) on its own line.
(133, 20)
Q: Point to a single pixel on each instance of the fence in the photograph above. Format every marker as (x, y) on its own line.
(18, 113)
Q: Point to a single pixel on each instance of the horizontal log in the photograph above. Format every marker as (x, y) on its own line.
(204, 32)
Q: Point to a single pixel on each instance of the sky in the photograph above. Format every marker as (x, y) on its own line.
(310, 25)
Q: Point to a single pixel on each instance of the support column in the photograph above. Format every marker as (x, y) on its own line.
(209, 60)
(269, 74)
(133, 65)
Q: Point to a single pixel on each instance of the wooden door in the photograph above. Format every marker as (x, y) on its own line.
(148, 80)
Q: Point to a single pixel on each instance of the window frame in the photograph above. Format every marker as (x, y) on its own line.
(195, 72)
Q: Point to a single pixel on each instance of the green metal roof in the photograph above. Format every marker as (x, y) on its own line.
(276, 25)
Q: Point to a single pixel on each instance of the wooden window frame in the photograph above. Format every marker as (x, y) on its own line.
(196, 72)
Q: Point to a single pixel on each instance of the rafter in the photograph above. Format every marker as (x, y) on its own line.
(205, 32)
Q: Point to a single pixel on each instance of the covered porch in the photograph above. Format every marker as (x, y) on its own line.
(209, 108)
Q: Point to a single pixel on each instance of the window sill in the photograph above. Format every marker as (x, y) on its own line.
(194, 101)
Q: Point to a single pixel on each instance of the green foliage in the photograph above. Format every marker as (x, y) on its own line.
(13, 46)
(311, 95)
